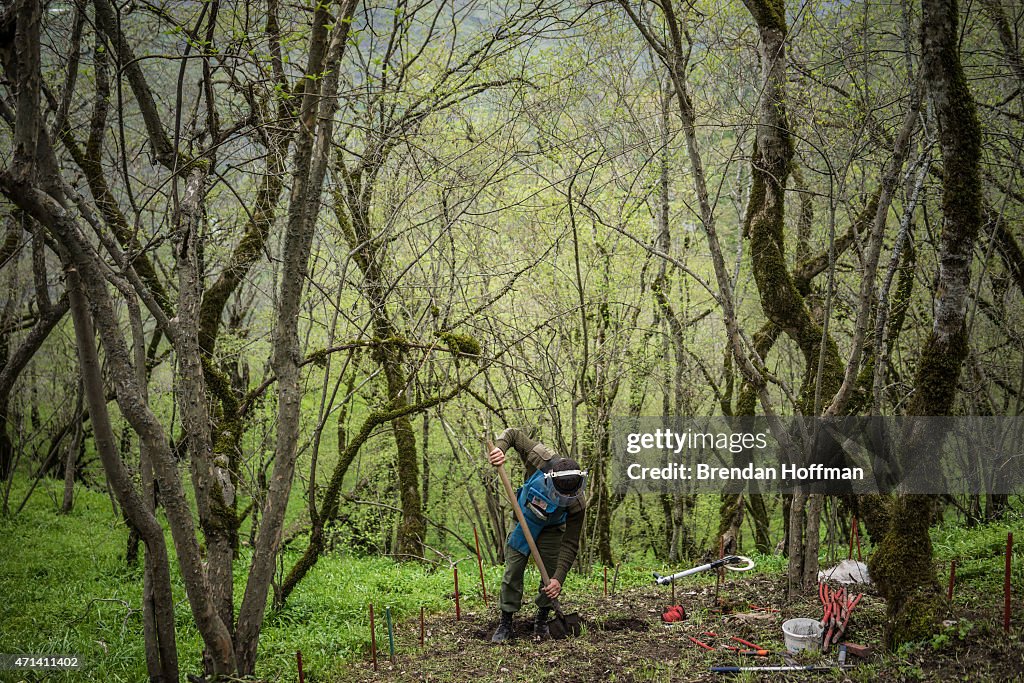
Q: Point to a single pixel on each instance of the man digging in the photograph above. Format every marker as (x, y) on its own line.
(552, 502)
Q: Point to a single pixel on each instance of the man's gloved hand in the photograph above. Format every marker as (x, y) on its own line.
(553, 589)
(496, 456)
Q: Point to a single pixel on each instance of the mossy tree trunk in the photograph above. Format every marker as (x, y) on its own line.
(412, 529)
(600, 398)
(781, 301)
(902, 565)
(353, 207)
(771, 163)
(226, 424)
(276, 132)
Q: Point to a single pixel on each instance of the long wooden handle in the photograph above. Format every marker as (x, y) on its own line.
(522, 520)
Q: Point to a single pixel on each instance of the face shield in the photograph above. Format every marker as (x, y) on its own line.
(565, 486)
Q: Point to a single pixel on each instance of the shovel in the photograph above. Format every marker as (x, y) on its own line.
(561, 625)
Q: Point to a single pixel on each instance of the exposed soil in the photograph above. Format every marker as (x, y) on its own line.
(625, 640)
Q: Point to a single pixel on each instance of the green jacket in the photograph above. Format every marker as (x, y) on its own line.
(535, 456)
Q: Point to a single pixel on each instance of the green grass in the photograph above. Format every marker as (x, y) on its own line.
(979, 552)
(67, 589)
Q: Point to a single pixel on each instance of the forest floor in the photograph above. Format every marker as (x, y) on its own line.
(624, 639)
(65, 587)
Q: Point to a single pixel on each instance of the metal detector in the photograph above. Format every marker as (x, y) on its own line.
(726, 562)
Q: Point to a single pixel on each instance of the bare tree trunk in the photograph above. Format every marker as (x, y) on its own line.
(730, 520)
(759, 513)
(316, 115)
(213, 498)
(746, 406)
(71, 459)
(161, 651)
(813, 541)
(16, 362)
(795, 541)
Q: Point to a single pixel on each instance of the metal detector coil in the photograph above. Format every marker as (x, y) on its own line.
(728, 561)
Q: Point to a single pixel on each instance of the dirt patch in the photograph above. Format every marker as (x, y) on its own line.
(620, 624)
(524, 626)
(625, 641)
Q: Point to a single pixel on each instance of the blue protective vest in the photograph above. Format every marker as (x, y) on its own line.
(539, 510)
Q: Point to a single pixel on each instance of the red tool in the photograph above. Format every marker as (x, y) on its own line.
(846, 618)
(826, 602)
(855, 537)
(700, 643)
(837, 607)
(746, 642)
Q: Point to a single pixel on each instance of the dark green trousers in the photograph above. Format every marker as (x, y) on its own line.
(549, 543)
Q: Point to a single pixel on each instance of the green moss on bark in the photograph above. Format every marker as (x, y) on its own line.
(461, 344)
(902, 569)
(938, 370)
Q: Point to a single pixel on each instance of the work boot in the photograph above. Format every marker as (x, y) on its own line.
(540, 624)
(506, 631)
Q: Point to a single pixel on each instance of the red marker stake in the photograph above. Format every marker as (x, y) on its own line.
(480, 565)
(423, 630)
(1006, 583)
(298, 658)
(699, 643)
(746, 642)
(373, 640)
(458, 608)
(952, 579)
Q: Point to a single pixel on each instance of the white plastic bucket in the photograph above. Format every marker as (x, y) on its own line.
(802, 634)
